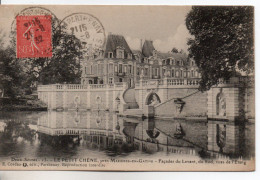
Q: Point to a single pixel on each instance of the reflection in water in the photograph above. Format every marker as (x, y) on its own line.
(104, 134)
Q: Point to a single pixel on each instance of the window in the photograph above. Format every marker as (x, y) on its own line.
(100, 69)
(120, 68)
(185, 74)
(156, 71)
(177, 73)
(168, 61)
(120, 80)
(125, 68)
(192, 73)
(129, 56)
(154, 53)
(173, 73)
(91, 70)
(188, 74)
(116, 69)
(110, 55)
(178, 63)
(130, 69)
(120, 53)
(146, 71)
(180, 73)
(110, 68)
(110, 80)
(168, 72)
(163, 71)
(196, 73)
(95, 69)
(138, 71)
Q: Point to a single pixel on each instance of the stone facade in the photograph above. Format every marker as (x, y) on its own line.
(117, 63)
(81, 97)
(156, 98)
(150, 83)
(233, 100)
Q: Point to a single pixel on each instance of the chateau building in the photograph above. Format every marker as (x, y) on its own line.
(117, 63)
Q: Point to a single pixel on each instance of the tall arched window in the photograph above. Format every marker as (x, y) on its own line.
(173, 73)
(177, 73)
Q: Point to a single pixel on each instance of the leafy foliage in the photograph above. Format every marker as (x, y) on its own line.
(64, 66)
(223, 42)
(174, 50)
(18, 75)
(11, 74)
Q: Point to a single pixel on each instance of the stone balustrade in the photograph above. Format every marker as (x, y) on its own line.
(71, 87)
(73, 131)
(175, 82)
(169, 82)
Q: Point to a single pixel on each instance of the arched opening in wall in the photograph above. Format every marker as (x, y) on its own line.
(153, 99)
(90, 82)
(220, 104)
(153, 134)
(120, 80)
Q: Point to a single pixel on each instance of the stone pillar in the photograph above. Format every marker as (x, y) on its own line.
(88, 120)
(113, 100)
(107, 97)
(53, 97)
(65, 94)
(232, 102)
(151, 72)
(105, 80)
(88, 97)
(141, 98)
(185, 81)
(210, 111)
(148, 111)
(161, 74)
(165, 89)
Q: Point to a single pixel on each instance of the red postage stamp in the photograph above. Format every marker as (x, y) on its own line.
(34, 36)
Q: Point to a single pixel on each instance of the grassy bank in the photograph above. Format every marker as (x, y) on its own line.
(24, 103)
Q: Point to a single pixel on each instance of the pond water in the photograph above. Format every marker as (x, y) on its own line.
(103, 134)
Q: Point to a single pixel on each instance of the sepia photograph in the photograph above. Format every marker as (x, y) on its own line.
(127, 88)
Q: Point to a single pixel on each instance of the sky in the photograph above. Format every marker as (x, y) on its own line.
(165, 25)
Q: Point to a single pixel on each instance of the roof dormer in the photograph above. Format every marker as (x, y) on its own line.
(120, 52)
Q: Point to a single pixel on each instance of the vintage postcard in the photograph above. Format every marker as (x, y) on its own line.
(127, 88)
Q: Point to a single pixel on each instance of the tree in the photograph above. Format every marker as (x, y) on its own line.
(64, 66)
(11, 74)
(17, 75)
(222, 43)
(174, 50)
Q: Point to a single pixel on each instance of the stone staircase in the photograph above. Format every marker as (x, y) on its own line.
(129, 97)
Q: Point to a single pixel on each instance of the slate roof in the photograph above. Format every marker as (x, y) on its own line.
(177, 56)
(114, 41)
